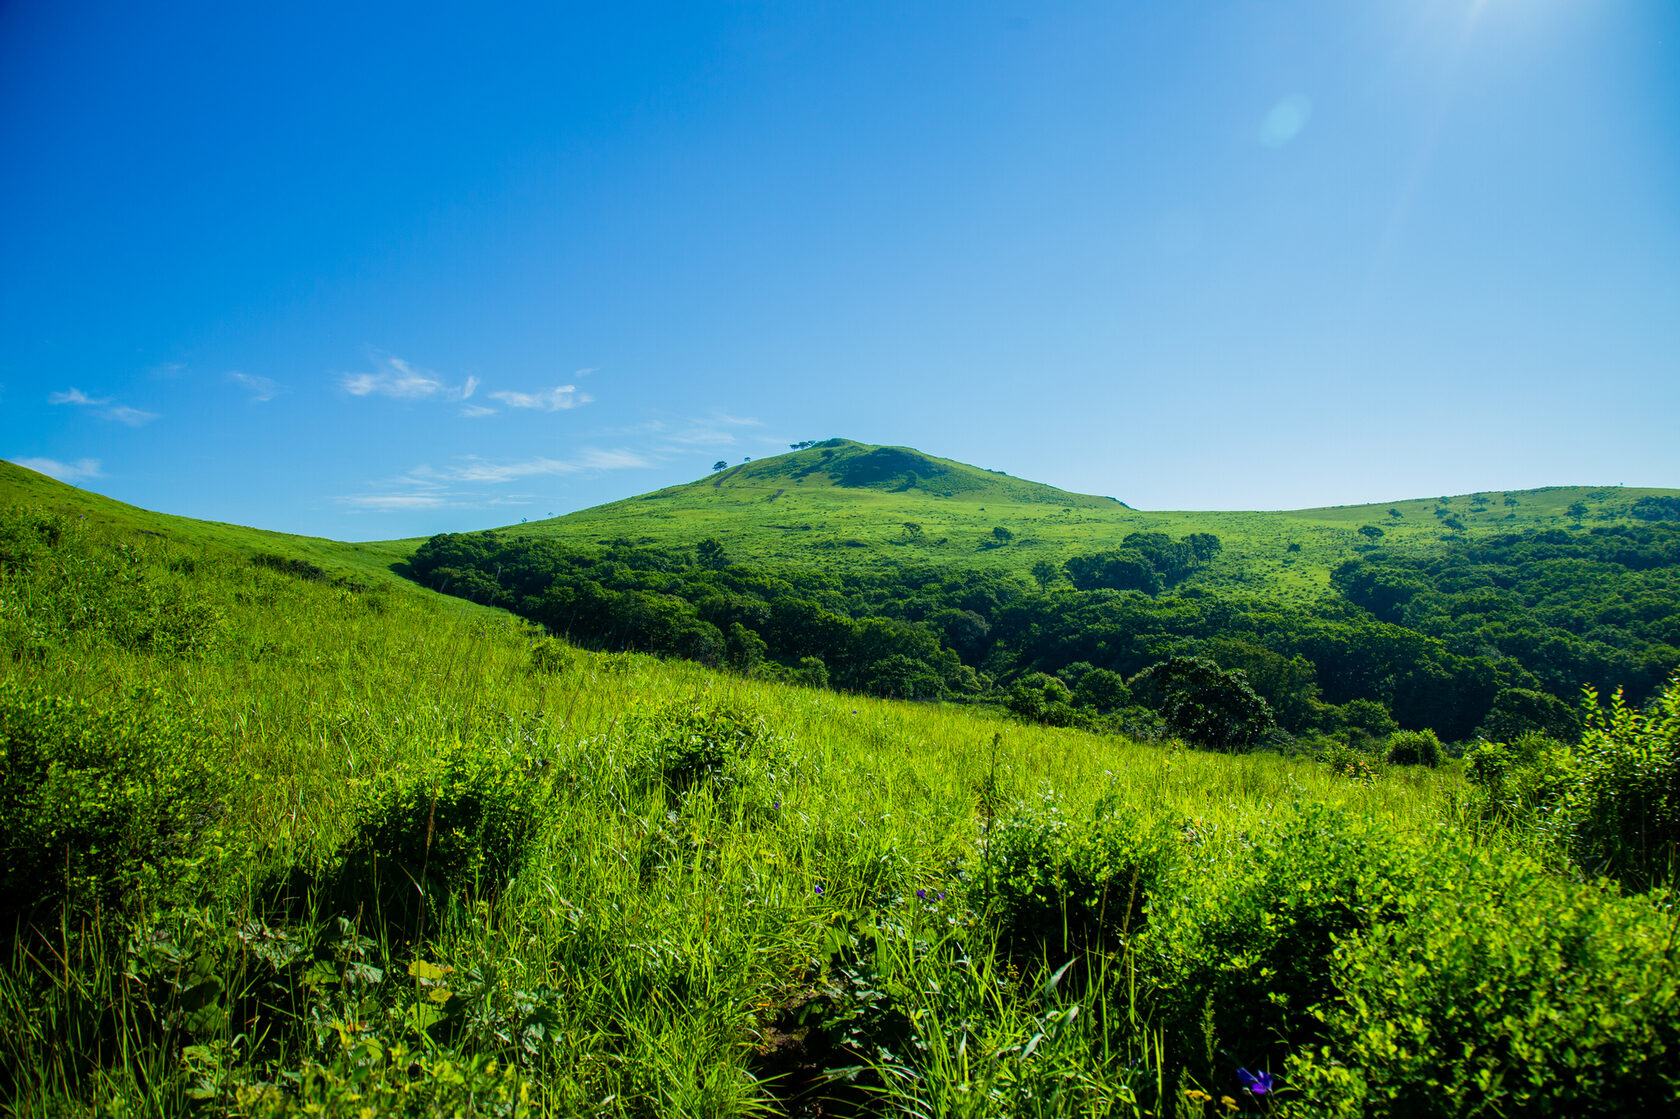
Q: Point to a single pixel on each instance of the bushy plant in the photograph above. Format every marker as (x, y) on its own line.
(1620, 815)
(550, 657)
(701, 739)
(1042, 698)
(1517, 994)
(1241, 963)
(1414, 747)
(1347, 760)
(100, 804)
(1516, 779)
(458, 829)
(1058, 884)
(1101, 689)
(1518, 711)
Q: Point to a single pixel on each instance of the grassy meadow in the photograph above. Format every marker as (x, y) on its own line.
(314, 840)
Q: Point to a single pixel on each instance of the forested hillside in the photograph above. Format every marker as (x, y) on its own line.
(1495, 630)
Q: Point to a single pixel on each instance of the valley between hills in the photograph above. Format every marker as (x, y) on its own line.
(852, 781)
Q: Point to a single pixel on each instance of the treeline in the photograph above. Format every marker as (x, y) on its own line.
(1497, 636)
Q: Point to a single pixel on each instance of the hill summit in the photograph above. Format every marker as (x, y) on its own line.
(851, 465)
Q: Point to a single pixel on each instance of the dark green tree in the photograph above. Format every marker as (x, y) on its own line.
(1204, 703)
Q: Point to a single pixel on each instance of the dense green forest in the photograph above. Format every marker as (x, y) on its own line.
(1498, 634)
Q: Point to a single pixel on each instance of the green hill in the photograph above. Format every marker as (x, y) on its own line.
(846, 505)
(337, 559)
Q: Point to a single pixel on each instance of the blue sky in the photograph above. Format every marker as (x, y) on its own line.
(415, 268)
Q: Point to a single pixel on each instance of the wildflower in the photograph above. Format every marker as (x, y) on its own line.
(1257, 1082)
(818, 887)
(778, 805)
(922, 894)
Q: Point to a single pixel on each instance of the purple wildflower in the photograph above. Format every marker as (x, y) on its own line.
(818, 887)
(922, 894)
(1257, 1082)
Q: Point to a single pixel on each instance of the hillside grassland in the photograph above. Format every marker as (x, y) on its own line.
(800, 509)
(279, 840)
(364, 562)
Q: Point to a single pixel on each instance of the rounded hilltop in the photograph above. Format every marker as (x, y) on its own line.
(847, 464)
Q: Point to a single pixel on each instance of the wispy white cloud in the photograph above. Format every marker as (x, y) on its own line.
(716, 430)
(395, 378)
(483, 471)
(63, 471)
(78, 397)
(122, 413)
(262, 389)
(556, 399)
(593, 459)
(459, 484)
(392, 502)
(477, 411)
(701, 437)
(133, 417)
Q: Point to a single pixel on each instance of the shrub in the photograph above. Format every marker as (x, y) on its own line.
(1101, 689)
(702, 739)
(1620, 815)
(1414, 747)
(550, 657)
(1366, 717)
(1042, 698)
(1057, 885)
(1518, 778)
(1347, 760)
(1241, 963)
(1526, 995)
(1517, 711)
(461, 828)
(100, 804)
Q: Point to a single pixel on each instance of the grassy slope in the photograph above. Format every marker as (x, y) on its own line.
(798, 509)
(368, 563)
